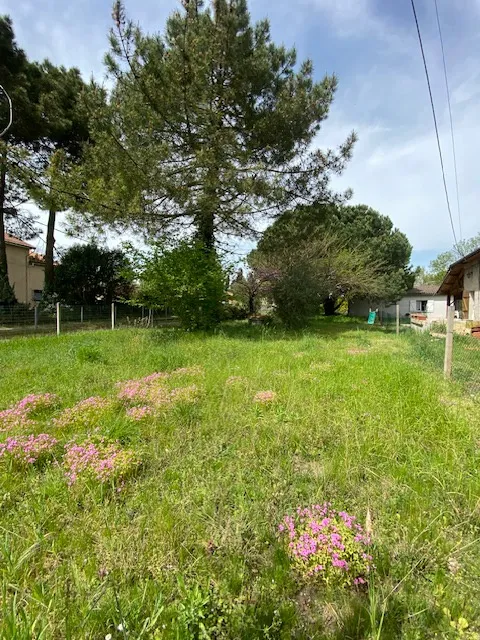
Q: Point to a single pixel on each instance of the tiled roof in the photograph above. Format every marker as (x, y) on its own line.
(423, 290)
(16, 241)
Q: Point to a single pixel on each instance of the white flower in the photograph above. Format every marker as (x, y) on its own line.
(120, 627)
(108, 636)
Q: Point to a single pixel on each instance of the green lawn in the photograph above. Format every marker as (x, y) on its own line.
(189, 546)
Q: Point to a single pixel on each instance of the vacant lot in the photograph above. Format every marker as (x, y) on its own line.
(184, 542)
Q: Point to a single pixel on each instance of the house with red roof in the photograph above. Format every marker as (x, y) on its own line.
(26, 270)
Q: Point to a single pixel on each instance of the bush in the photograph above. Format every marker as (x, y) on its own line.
(295, 295)
(189, 280)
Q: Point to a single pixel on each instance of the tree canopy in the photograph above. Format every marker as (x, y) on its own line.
(359, 230)
(20, 79)
(88, 274)
(207, 127)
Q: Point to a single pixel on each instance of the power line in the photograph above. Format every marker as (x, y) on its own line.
(434, 122)
(451, 119)
(10, 111)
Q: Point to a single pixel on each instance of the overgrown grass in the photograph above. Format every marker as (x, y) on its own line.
(189, 548)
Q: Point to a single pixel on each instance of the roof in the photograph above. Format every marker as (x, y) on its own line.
(16, 241)
(451, 281)
(423, 290)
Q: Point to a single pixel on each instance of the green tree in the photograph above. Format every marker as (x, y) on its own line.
(188, 280)
(437, 269)
(88, 274)
(321, 269)
(50, 164)
(356, 228)
(208, 127)
(21, 80)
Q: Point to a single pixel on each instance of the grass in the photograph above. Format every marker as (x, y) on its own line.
(190, 547)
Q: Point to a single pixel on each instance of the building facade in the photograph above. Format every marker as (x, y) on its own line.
(26, 270)
(423, 300)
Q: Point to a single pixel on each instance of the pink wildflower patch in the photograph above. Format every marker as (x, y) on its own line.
(27, 450)
(140, 413)
(100, 460)
(17, 416)
(327, 545)
(85, 413)
(265, 397)
(132, 391)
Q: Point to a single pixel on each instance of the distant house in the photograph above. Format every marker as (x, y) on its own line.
(26, 270)
(461, 285)
(423, 300)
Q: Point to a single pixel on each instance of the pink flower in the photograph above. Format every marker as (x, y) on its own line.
(140, 413)
(265, 397)
(100, 460)
(28, 449)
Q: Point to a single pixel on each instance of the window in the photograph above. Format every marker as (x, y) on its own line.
(37, 295)
(422, 305)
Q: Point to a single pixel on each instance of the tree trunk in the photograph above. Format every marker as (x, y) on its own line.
(7, 295)
(251, 304)
(3, 187)
(205, 229)
(329, 306)
(49, 286)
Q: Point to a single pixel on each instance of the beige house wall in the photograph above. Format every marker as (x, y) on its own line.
(23, 276)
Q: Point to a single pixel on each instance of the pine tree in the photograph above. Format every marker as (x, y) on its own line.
(208, 128)
(21, 80)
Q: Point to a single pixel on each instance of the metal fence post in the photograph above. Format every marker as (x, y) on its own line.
(113, 315)
(398, 318)
(58, 318)
(35, 317)
(81, 314)
(447, 368)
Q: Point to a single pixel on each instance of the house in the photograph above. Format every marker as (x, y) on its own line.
(423, 300)
(461, 285)
(26, 270)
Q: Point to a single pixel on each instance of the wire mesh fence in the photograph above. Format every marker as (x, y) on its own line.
(429, 347)
(25, 320)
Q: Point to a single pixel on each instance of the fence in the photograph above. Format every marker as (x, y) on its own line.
(24, 320)
(458, 356)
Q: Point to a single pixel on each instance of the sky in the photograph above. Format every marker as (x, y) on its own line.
(372, 47)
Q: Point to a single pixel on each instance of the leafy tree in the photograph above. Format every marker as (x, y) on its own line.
(88, 274)
(356, 228)
(188, 280)
(438, 267)
(319, 270)
(207, 127)
(249, 289)
(21, 80)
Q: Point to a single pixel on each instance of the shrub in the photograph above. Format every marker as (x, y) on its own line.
(328, 546)
(189, 280)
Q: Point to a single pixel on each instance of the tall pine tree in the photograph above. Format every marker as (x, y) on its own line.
(21, 80)
(207, 128)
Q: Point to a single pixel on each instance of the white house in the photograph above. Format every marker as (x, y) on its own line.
(423, 300)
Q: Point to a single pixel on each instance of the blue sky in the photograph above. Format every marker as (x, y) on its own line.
(372, 47)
